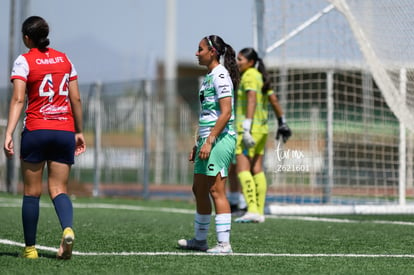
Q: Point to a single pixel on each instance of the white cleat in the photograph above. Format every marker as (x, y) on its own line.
(250, 218)
(221, 248)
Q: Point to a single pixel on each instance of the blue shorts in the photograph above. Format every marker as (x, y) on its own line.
(42, 145)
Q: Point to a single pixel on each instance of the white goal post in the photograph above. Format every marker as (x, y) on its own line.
(344, 73)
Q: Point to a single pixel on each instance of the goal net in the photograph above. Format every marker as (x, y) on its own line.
(344, 74)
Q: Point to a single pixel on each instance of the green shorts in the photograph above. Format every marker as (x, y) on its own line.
(257, 149)
(220, 158)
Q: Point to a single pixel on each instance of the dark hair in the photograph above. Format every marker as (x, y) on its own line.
(222, 49)
(37, 29)
(251, 54)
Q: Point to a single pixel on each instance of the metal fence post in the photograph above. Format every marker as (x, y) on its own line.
(97, 139)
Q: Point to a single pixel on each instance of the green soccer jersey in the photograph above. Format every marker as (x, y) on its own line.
(252, 80)
(217, 84)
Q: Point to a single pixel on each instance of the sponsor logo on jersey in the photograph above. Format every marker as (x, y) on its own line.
(47, 61)
(50, 109)
(224, 89)
(211, 167)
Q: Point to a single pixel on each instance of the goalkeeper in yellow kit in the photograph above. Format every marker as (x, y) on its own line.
(253, 97)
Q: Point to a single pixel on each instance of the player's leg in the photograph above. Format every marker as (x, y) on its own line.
(249, 190)
(234, 191)
(32, 179)
(245, 177)
(247, 182)
(209, 182)
(223, 214)
(259, 175)
(60, 159)
(220, 159)
(58, 174)
(33, 145)
(217, 191)
(202, 215)
(261, 184)
(237, 202)
(203, 205)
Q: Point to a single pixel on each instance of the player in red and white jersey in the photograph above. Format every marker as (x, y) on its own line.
(52, 133)
(47, 74)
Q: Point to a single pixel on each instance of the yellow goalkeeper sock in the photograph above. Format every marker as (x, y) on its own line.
(261, 188)
(249, 190)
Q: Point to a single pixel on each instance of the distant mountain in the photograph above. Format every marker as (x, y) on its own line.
(93, 60)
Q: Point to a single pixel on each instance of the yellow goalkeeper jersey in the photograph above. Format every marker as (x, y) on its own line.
(252, 80)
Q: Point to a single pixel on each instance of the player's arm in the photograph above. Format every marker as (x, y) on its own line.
(247, 138)
(251, 88)
(15, 110)
(250, 108)
(76, 104)
(251, 104)
(75, 101)
(274, 102)
(283, 129)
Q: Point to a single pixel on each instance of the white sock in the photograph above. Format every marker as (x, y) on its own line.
(242, 201)
(201, 225)
(233, 198)
(223, 227)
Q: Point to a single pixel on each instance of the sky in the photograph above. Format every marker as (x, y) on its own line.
(113, 40)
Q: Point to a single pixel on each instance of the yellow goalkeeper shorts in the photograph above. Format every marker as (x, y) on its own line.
(257, 149)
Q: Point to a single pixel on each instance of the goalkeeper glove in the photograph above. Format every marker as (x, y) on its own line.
(283, 130)
(247, 138)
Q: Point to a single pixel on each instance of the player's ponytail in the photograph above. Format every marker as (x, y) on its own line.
(231, 65)
(266, 79)
(251, 54)
(223, 49)
(37, 29)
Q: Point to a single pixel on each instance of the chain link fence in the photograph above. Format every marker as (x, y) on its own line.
(132, 142)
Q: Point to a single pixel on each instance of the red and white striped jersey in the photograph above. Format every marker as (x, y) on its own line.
(47, 75)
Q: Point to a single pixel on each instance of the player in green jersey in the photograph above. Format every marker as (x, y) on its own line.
(215, 144)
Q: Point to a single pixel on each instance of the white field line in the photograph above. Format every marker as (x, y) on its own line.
(332, 220)
(51, 249)
(17, 203)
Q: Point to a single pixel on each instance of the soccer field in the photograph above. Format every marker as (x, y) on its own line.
(120, 236)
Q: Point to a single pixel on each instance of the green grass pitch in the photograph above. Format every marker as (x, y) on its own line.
(121, 236)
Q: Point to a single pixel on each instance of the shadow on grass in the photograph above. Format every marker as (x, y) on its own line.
(17, 255)
(10, 254)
